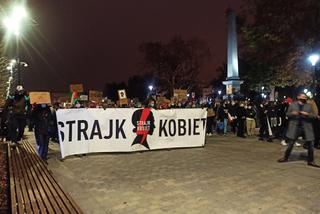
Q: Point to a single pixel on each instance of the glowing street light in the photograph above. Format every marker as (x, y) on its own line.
(219, 92)
(314, 58)
(13, 23)
(150, 87)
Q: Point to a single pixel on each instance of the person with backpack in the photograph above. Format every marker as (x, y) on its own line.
(42, 118)
(17, 105)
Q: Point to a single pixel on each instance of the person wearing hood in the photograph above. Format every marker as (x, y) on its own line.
(17, 105)
(42, 117)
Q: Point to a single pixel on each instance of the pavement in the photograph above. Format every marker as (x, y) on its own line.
(229, 175)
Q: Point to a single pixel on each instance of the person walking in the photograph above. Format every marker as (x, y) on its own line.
(250, 120)
(265, 130)
(42, 118)
(17, 105)
(241, 119)
(301, 116)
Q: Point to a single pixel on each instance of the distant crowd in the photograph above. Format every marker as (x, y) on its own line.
(242, 118)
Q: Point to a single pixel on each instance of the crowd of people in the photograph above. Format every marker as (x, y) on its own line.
(267, 120)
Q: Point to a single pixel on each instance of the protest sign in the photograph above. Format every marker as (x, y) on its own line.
(128, 129)
(84, 97)
(76, 88)
(180, 93)
(122, 94)
(123, 102)
(40, 97)
(95, 96)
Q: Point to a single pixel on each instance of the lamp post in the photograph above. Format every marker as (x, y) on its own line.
(150, 87)
(13, 24)
(314, 58)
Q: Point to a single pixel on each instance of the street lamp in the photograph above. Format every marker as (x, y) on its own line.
(13, 24)
(314, 58)
(150, 87)
(219, 92)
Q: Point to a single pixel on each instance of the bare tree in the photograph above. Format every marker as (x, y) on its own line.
(176, 64)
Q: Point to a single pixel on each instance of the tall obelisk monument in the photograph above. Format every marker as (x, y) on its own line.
(233, 81)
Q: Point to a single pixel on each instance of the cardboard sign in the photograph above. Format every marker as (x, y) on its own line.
(180, 93)
(122, 94)
(84, 97)
(211, 112)
(163, 100)
(95, 96)
(76, 88)
(40, 97)
(123, 102)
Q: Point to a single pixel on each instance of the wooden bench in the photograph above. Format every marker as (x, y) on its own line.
(32, 187)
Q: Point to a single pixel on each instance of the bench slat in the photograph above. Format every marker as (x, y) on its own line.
(41, 185)
(33, 188)
(30, 203)
(64, 200)
(34, 184)
(20, 201)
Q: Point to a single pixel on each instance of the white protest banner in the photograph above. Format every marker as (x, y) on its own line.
(125, 130)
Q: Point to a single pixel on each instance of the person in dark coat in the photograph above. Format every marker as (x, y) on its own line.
(300, 116)
(222, 118)
(232, 108)
(264, 131)
(42, 118)
(17, 105)
(241, 120)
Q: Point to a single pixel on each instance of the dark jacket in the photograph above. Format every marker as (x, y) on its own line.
(17, 104)
(250, 113)
(42, 118)
(241, 113)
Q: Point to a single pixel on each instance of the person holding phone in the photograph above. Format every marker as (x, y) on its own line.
(301, 116)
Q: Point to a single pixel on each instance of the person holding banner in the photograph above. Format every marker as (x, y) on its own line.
(300, 116)
(42, 118)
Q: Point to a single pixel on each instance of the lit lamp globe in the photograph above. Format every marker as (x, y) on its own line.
(314, 58)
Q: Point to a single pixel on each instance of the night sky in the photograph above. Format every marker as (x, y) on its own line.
(94, 42)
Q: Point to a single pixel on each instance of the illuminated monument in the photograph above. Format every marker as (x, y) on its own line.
(233, 81)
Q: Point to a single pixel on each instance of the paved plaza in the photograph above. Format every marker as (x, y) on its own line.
(229, 175)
